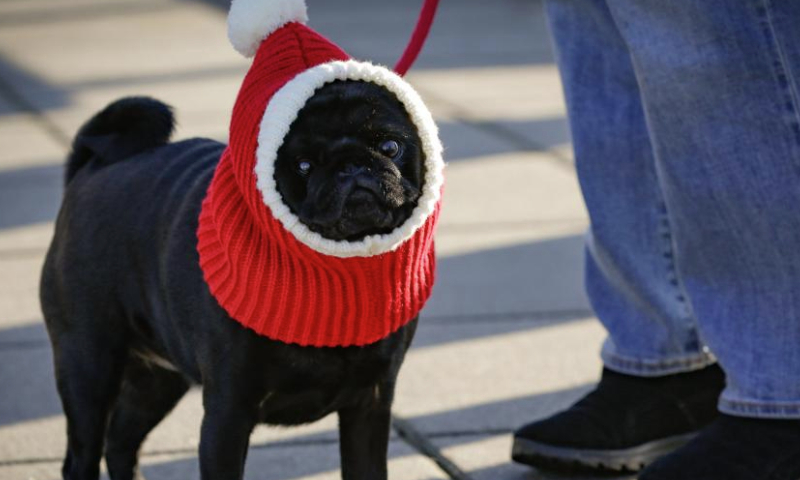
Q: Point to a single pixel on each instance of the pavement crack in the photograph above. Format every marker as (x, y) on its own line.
(414, 438)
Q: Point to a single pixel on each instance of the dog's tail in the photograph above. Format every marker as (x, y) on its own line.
(124, 128)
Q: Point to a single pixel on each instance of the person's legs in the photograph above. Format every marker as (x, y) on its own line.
(720, 85)
(645, 405)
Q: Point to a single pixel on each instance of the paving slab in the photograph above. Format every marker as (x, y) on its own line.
(493, 375)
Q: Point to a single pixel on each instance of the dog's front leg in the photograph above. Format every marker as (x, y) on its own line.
(225, 434)
(364, 435)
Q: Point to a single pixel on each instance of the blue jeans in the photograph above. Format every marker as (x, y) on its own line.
(685, 117)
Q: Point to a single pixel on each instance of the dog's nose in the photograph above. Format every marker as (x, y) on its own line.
(351, 170)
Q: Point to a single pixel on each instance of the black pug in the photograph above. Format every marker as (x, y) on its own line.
(133, 324)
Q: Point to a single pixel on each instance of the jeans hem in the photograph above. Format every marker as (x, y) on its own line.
(651, 367)
(759, 408)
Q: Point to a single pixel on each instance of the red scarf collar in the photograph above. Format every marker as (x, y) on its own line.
(268, 270)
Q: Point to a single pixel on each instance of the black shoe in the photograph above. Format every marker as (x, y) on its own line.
(626, 423)
(734, 448)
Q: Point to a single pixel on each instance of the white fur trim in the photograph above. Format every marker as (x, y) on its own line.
(282, 110)
(251, 21)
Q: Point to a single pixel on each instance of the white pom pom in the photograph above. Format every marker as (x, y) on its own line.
(251, 21)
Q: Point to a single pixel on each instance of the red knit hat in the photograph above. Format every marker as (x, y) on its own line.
(267, 269)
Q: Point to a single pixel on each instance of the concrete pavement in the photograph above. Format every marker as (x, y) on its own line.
(508, 336)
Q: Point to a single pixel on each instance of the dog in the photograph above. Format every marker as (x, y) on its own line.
(132, 321)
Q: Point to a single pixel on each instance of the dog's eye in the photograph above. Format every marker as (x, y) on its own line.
(390, 148)
(304, 167)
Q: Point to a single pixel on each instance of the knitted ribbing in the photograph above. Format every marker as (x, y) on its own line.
(261, 274)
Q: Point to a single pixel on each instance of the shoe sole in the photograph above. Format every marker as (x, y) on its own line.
(631, 459)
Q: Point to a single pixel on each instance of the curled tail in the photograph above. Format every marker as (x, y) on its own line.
(124, 128)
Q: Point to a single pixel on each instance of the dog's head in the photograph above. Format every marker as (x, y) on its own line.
(352, 164)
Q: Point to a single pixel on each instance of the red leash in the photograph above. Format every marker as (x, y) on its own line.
(424, 23)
